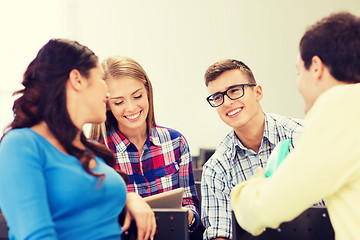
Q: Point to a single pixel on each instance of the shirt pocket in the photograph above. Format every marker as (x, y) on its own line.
(168, 175)
(167, 170)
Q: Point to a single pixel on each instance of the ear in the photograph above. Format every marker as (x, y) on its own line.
(317, 67)
(76, 80)
(259, 93)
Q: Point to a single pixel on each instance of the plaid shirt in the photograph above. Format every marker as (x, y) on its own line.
(233, 163)
(164, 164)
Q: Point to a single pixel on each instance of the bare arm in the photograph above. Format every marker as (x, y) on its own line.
(144, 217)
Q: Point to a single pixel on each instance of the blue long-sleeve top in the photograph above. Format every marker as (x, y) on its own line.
(46, 194)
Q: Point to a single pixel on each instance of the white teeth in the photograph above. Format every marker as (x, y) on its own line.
(234, 112)
(133, 116)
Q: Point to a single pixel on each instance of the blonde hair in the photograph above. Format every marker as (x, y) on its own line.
(115, 68)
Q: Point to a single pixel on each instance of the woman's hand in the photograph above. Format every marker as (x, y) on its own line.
(144, 217)
(190, 215)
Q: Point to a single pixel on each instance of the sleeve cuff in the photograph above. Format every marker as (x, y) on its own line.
(196, 223)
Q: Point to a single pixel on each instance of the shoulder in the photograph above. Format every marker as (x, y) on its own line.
(226, 146)
(215, 168)
(281, 127)
(343, 98)
(164, 134)
(220, 161)
(345, 92)
(20, 145)
(287, 123)
(19, 136)
(166, 130)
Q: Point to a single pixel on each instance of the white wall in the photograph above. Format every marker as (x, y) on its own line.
(175, 42)
(25, 26)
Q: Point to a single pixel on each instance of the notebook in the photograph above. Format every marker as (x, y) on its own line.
(277, 156)
(168, 199)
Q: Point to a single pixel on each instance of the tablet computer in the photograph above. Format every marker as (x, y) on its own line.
(168, 199)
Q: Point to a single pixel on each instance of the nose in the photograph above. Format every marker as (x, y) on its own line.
(106, 89)
(130, 106)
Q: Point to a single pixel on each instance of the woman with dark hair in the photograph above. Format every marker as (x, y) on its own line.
(157, 159)
(54, 183)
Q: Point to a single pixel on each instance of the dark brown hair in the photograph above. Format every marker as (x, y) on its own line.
(336, 41)
(43, 97)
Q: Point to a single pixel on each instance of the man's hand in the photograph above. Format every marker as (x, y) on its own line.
(259, 173)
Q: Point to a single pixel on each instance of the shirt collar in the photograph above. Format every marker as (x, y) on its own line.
(270, 130)
(122, 143)
(270, 133)
(234, 144)
(154, 136)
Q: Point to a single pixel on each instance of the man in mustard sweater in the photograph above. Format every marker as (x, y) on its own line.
(328, 150)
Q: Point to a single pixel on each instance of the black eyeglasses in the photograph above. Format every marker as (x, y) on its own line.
(233, 92)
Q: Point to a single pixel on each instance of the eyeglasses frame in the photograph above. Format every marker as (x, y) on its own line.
(225, 93)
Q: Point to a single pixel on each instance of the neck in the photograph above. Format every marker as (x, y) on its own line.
(43, 129)
(137, 136)
(251, 134)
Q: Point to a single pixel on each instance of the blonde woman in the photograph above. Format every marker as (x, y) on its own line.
(156, 159)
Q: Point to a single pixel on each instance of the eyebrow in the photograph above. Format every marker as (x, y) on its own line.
(227, 88)
(131, 94)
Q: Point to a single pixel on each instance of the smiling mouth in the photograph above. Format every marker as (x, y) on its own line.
(133, 116)
(234, 112)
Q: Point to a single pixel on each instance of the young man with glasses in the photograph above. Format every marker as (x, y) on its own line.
(236, 97)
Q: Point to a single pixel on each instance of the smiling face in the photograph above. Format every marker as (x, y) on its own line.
(241, 112)
(128, 103)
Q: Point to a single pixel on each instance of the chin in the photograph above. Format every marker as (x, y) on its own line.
(307, 108)
(99, 120)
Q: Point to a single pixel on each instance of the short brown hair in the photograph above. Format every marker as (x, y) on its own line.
(222, 66)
